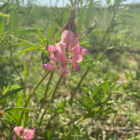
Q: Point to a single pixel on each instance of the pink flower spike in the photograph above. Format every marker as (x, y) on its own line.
(67, 36)
(49, 67)
(50, 48)
(76, 66)
(84, 51)
(76, 58)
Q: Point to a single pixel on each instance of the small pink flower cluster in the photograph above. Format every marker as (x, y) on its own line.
(23, 134)
(66, 52)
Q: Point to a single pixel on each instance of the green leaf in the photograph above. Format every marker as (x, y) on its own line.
(11, 20)
(28, 49)
(4, 15)
(38, 38)
(38, 30)
(27, 31)
(28, 45)
(17, 2)
(87, 19)
(10, 93)
(99, 87)
(115, 81)
(108, 2)
(81, 20)
(11, 118)
(15, 22)
(17, 109)
(1, 27)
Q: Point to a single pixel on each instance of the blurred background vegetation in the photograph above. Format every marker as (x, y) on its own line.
(114, 45)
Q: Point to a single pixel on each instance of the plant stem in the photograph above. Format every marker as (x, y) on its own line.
(46, 91)
(31, 94)
(50, 101)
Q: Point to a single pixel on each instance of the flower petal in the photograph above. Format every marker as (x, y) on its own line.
(60, 57)
(67, 36)
(50, 48)
(52, 58)
(60, 47)
(18, 129)
(84, 51)
(77, 58)
(29, 134)
(49, 67)
(67, 69)
(14, 137)
(74, 44)
(75, 34)
(76, 66)
(78, 50)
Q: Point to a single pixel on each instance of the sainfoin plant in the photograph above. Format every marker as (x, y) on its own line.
(60, 105)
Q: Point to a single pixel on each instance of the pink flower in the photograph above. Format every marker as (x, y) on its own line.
(60, 57)
(50, 48)
(23, 134)
(52, 65)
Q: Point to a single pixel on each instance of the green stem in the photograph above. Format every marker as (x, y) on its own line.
(46, 91)
(50, 101)
(73, 94)
(31, 94)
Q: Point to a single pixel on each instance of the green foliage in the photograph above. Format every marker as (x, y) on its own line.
(106, 90)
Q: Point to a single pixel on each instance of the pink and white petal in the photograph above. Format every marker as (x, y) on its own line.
(61, 70)
(58, 56)
(77, 58)
(78, 50)
(18, 129)
(76, 66)
(50, 48)
(34, 130)
(60, 47)
(74, 43)
(29, 134)
(84, 51)
(67, 69)
(52, 58)
(14, 137)
(49, 67)
(67, 36)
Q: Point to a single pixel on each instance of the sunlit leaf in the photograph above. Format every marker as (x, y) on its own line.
(10, 93)
(17, 109)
